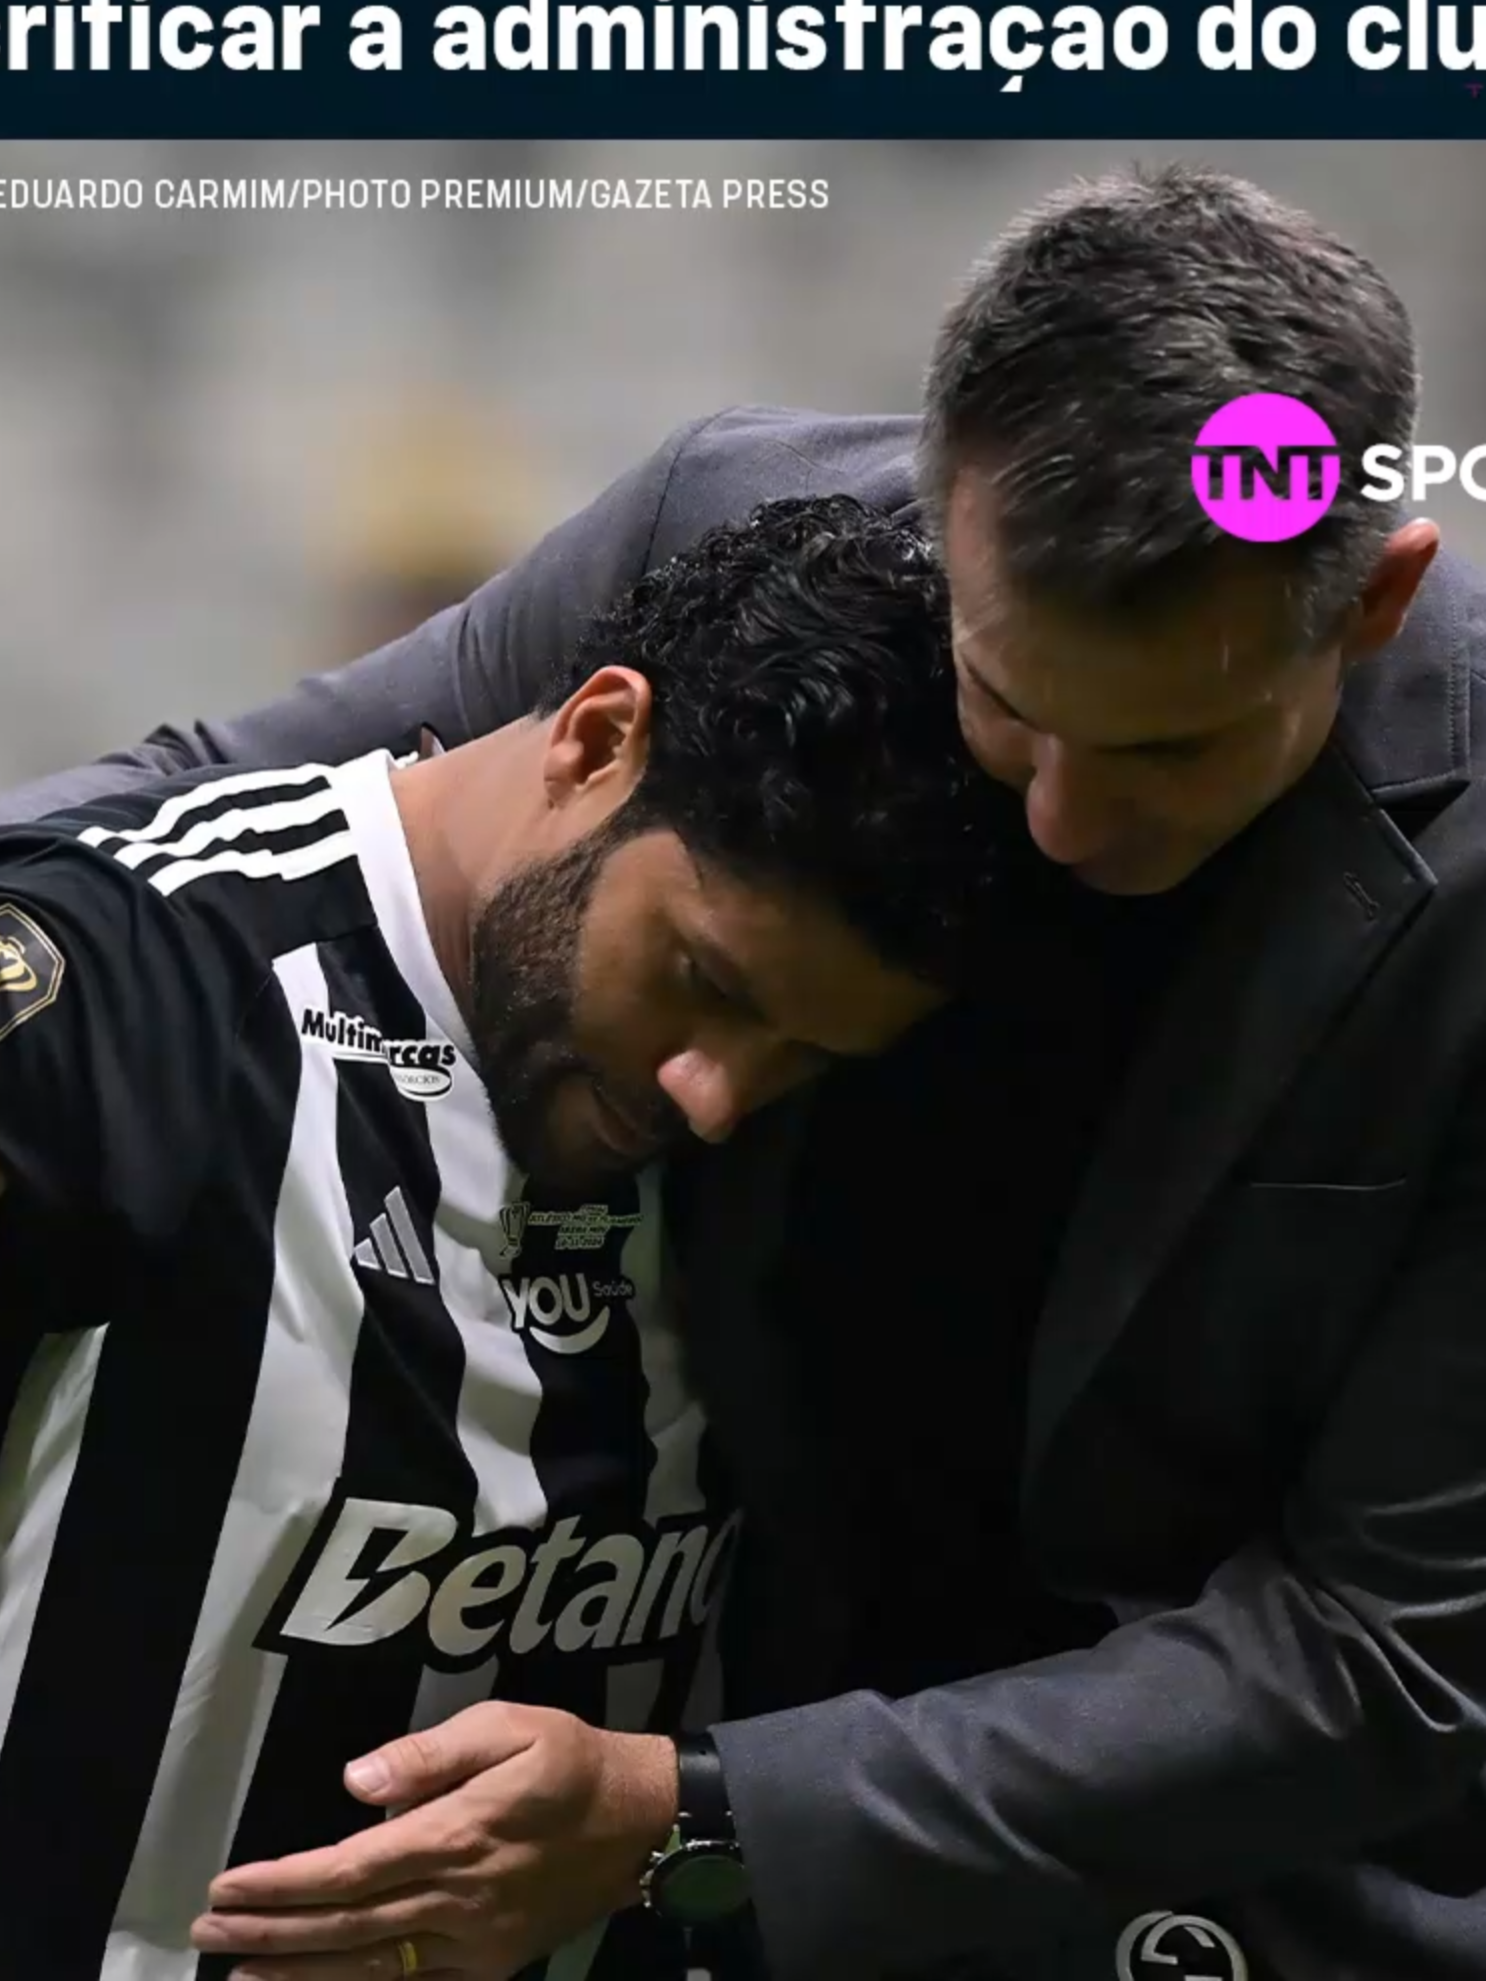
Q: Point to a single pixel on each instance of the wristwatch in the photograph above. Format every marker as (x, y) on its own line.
(698, 1878)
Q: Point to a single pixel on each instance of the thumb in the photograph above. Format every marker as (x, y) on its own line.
(439, 1758)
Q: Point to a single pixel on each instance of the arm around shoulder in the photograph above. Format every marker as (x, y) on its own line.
(463, 673)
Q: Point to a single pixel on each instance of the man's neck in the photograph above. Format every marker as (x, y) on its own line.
(463, 814)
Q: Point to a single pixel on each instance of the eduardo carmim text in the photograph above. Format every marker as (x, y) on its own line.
(575, 195)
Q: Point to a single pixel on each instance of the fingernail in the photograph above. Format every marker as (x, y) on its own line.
(370, 1775)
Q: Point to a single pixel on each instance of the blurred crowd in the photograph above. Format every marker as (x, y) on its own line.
(241, 446)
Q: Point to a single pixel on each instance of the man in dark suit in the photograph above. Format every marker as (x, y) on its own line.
(1109, 1398)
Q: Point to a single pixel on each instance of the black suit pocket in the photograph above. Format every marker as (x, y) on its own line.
(1343, 1192)
(1267, 1304)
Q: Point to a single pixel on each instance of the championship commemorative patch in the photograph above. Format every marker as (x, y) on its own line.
(31, 968)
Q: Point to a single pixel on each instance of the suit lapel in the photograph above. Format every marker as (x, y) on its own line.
(1325, 887)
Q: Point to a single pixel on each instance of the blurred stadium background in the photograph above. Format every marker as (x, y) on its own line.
(242, 446)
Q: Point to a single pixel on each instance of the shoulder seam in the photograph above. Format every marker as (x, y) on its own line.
(684, 439)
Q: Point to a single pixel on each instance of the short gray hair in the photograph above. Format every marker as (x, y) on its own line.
(1096, 337)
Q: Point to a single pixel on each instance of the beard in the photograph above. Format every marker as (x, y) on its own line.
(524, 984)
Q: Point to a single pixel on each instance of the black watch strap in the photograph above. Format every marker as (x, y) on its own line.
(706, 1815)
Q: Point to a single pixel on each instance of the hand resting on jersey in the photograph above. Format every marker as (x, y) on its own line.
(528, 1827)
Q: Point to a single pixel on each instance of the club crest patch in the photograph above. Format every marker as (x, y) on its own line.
(31, 969)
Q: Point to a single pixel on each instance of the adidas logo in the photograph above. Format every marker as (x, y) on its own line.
(392, 1245)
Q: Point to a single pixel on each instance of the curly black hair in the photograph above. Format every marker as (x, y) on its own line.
(805, 728)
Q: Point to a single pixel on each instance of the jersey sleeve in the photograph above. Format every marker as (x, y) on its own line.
(117, 1020)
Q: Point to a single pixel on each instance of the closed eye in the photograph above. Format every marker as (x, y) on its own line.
(1168, 749)
(1174, 749)
(999, 703)
(699, 982)
(713, 979)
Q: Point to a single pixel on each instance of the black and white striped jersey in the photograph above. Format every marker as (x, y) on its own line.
(318, 1425)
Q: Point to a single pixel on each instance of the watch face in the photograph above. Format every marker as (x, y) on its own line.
(702, 1882)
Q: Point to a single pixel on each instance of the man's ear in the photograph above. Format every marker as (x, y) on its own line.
(1390, 590)
(599, 740)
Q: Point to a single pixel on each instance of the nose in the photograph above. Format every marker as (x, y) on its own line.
(715, 1082)
(706, 1087)
(1072, 813)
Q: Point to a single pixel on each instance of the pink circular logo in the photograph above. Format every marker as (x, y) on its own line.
(1266, 468)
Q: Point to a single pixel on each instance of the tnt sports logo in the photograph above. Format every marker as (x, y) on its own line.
(1266, 468)
(1158, 1942)
(1428, 467)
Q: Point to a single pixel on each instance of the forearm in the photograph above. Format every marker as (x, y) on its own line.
(162, 754)
(464, 673)
(1194, 1753)
(378, 702)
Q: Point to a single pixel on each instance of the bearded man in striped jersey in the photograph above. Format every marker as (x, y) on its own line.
(341, 1362)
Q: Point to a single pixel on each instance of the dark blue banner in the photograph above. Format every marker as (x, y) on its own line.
(558, 68)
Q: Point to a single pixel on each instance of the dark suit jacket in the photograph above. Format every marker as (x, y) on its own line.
(1258, 1389)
